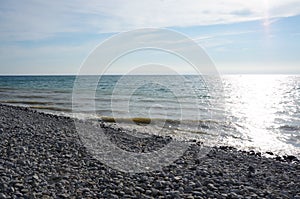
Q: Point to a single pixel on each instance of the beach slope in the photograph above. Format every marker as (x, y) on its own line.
(41, 156)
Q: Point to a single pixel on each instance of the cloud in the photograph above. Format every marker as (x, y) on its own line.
(243, 12)
(35, 20)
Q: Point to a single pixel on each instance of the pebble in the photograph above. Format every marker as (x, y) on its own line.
(212, 187)
(197, 193)
(2, 196)
(251, 169)
(297, 196)
(42, 155)
(154, 191)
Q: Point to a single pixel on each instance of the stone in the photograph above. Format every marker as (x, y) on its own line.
(3, 196)
(212, 187)
(190, 197)
(64, 195)
(154, 191)
(251, 169)
(72, 171)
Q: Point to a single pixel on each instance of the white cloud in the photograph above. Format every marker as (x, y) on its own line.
(32, 19)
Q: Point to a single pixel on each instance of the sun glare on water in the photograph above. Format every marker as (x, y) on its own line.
(255, 100)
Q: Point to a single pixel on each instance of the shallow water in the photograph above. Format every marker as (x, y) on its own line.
(260, 112)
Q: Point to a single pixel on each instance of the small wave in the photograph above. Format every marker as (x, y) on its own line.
(45, 103)
(32, 96)
(290, 128)
(61, 91)
(9, 91)
(52, 108)
(26, 102)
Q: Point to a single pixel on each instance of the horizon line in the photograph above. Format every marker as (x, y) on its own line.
(120, 74)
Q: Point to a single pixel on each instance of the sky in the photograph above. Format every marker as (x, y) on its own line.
(55, 37)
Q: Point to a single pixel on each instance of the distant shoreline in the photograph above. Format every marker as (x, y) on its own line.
(222, 74)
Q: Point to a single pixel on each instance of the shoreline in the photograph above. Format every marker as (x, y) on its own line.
(42, 156)
(111, 123)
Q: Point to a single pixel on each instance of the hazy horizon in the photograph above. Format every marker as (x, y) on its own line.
(295, 74)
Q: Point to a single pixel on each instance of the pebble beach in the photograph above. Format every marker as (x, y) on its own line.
(41, 156)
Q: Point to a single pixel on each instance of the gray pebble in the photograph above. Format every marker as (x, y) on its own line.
(3, 196)
(42, 156)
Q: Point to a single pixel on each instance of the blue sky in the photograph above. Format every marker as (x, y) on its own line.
(54, 37)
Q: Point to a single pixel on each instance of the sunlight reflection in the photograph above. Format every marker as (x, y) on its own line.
(254, 102)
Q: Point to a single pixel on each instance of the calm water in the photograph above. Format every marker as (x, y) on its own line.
(260, 112)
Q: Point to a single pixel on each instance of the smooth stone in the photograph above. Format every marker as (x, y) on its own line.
(154, 191)
(140, 189)
(251, 169)
(3, 196)
(20, 185)
(64, 195)
(197, 193)
(212, 187)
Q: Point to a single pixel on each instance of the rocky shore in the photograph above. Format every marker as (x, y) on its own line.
(41, 156)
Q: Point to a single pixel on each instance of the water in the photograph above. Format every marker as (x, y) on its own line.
(259, 112)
